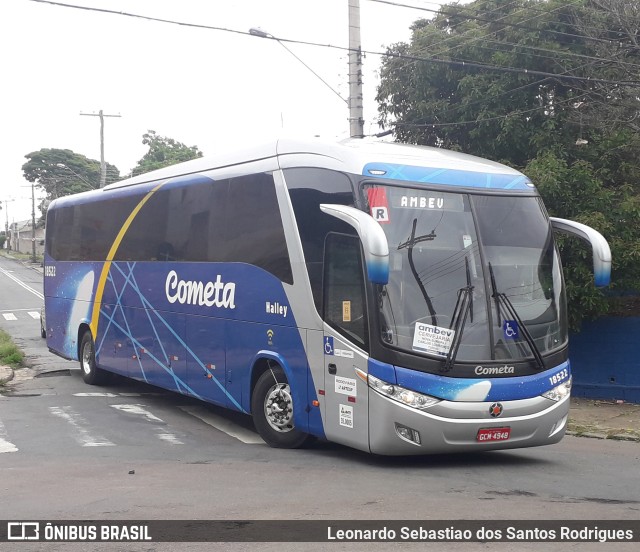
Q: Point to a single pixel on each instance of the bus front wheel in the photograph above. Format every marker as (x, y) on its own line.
(272, 410)
(91, 374)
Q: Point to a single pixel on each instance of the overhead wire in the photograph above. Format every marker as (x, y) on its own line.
(475, 39)
(485, 39)
(482, 19)
(346, 48)
(496, 118)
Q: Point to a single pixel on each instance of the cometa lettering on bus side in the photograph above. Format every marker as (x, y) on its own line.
(209, 294)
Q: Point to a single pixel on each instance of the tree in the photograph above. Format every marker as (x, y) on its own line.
(584, 164)
(163, 152)
(612, 28)
(61, 172)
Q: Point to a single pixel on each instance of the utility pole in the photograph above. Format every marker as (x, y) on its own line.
(6, 222)
(103, 165)
(356, 118)
(33, 222)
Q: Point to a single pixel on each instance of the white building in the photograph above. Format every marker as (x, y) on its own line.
(21, 238)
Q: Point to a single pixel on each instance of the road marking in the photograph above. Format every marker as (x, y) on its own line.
(21, 283)
(81, 434)
(233, 430)
(168, 437)
(35, 315)
(139, 410)
(9, 316)
(94, 395)
(140, 394)
(5, 446)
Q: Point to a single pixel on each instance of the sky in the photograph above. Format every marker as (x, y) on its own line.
(204, 88)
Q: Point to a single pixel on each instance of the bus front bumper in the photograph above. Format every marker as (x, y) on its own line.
(448, 427)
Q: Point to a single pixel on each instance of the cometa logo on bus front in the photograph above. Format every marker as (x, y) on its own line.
(210, 294)
(494, 370)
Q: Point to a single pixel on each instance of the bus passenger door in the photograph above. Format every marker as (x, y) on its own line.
(345, 342)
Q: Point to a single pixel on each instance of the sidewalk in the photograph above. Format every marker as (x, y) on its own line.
(597, 419)
(6, 374)
(604, 419)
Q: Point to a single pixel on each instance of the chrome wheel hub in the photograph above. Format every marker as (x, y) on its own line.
(86, 359)
(278, 408)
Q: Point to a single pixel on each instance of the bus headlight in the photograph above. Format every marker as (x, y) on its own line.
(559, 391)
(397, 392)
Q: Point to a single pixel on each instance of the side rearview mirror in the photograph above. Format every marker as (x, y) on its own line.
(599, 245)
(372, 236)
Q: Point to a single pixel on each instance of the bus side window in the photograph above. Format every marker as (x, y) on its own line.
(344, 304)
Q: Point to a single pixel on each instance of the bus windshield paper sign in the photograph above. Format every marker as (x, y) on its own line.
(432, 339)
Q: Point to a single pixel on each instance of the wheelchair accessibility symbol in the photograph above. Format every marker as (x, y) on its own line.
(328, 345)
(510, 329)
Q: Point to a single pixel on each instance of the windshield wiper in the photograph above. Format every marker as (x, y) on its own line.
(409, 244)
(463, 308)
(511, 311)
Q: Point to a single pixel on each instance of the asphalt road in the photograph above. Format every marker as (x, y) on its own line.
(131, 451)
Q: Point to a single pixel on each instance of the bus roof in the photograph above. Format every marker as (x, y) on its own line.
(357, 156)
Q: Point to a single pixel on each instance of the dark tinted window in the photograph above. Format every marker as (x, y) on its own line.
(196, 220)
(308, 188)
(86, 231)
(344, 296)
(254, 231)
(180, 222)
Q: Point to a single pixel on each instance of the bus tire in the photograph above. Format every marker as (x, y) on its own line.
(272, 410)
(91, 374)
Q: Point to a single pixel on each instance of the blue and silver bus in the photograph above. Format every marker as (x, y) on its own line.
(392, 298)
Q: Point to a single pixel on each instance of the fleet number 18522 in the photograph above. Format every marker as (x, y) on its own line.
(559, 377)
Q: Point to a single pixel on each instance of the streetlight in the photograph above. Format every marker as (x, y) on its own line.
(257, 31)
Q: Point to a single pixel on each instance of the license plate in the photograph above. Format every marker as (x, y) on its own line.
(493, 434)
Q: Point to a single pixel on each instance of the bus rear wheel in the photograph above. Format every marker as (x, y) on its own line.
(91, 374)
(272, 409)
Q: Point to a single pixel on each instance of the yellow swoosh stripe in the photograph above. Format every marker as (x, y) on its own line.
(95, 315)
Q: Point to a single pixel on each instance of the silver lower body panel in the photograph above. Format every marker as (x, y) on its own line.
(451, 427)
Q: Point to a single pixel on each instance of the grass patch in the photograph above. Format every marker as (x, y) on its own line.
(10, 355)
(20, 256)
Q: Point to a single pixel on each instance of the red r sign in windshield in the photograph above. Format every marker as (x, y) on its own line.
(378, 204)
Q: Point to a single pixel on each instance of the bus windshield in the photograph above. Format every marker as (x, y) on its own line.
(476, 277)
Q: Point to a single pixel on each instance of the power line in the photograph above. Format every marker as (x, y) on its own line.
(519, 25)
(519, 70)
(562, 52)
(485, 20)
(138, 16)
(472, 40)
(461, 64)
(539, 82)
(487, 100)
(496, 118)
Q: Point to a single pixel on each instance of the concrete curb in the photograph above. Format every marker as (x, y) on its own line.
(611, 434)
(6, 374)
